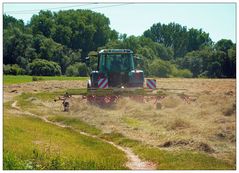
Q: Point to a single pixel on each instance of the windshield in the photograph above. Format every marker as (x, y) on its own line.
(116, 62)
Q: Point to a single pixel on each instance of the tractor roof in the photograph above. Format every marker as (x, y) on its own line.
(115, 51)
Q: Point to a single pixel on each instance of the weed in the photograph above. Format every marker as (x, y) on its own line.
(11, 162)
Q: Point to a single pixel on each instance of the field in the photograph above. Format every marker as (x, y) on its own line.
(192, 127)
(10, 79)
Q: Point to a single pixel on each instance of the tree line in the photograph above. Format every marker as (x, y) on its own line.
(56, 43)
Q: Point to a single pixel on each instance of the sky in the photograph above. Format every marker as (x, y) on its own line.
(217, 19)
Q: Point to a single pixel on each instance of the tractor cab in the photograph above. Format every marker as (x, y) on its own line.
(116, 61)
(117, 65)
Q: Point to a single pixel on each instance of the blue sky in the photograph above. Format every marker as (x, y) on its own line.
(217, 19)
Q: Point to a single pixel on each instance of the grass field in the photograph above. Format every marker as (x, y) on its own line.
(192, 128)
(11, 79)
(29, 143)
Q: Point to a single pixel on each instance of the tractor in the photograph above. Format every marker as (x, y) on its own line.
(116, 75)
(117, 67)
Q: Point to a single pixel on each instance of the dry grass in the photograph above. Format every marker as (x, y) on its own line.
(197, 114)
(200, 111)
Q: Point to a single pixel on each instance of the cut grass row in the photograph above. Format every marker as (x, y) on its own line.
(166, 160)
(11, 79)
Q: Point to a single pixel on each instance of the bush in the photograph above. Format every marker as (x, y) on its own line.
(160, 68)
(77, 69)
(13, 70)
(181, 73)
(41, 67)
(184, 73)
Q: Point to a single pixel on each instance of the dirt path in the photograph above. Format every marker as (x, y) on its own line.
(133, 163)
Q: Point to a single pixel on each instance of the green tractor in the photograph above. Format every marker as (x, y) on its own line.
(116, 75)
(117, 68)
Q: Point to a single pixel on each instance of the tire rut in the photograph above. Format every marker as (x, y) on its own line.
(133, 163)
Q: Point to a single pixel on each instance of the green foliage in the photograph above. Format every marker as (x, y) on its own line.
(13, 70)
(40, 67)
(67, 37)
(77, 69)
(10, 22)
(76, 29)
(15, 44)
(197, 39)
(208, 62)
(162, 68)
(185, 73)
(223, 45)
(11, 162)
(178, 37)
(93, 61)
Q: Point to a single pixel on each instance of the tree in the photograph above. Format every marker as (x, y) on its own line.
(172, 35)
(228, 57)
(75, 29)
(197, 38)
(15, 44)
(232, 59)
(11, 22)
(67, 37)
(194, 62)
(42, 23)
(223, 45)
(178, 37)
